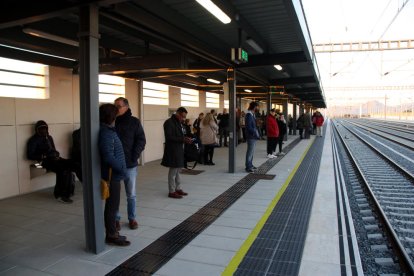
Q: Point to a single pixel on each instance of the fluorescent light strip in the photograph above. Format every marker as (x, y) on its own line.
(278, 67)
(213, 81)
(35, 52)
(214, 10)
(248, 90)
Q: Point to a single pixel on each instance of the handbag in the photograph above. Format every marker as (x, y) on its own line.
(105, 186)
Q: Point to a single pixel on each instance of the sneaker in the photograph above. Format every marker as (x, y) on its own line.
(281, 153)
(251, 170)
(133, 224)
(175, 195)
(65, 200)
(181, 192)
(117, 225)
(270, 156)
(254, 168)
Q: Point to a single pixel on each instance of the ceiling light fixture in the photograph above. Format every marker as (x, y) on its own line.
(248, 90)
(213, 81)
(52, 37)
(254, 45)
(214, 10)
(192, 75)
(278, 67)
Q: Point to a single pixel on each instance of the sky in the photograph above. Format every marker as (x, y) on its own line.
(336, 21)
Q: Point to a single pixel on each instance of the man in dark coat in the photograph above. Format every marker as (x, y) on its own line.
(133, 140)
(223, 126)
(174, 151)
(41, 148)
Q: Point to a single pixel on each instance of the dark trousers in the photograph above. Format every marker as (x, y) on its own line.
(271, 144)
(111, 207)
(280, 142)
(307, 132)
(208, 153)
(301, 133)
(64, 179)
(224, 132)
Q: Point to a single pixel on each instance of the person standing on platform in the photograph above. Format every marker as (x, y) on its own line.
(272, 130)
(252, 135)
(299, 125)
(243, 126)
(290, 124)
(307, 124)
(133, 140)
(197, 123)
(281, 122)
(223, 127)
(208, 138)
(113, 170)
(173, 157)
(319, 123)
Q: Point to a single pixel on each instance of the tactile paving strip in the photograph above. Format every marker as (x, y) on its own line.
(278, 248)
(155, 255)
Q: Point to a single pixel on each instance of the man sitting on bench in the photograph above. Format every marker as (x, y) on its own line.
(41, 148)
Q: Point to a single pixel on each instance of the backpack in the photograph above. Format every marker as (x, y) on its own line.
(192, 153)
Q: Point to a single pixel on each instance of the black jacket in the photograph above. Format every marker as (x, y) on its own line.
(224, 120)
(41, 147)
(132, 136)
(282, 127)
(174, 143)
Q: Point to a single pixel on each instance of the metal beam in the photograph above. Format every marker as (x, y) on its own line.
(231, 80)
(270, 60)
(89, 106)
(298, 80)
(35, 57)
(364, 46)
(134, 64)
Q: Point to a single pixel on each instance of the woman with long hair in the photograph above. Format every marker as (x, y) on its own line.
(208, 137)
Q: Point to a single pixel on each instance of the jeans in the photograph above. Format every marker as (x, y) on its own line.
(130, 189)
(251, 144)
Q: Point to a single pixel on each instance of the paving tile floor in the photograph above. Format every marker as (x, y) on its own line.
(41, 236)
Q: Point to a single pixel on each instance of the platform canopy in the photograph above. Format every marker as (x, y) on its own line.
(176, 42)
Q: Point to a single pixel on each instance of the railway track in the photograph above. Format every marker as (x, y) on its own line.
(382, 192)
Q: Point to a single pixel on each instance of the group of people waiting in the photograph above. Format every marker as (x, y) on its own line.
(307, 124)
(121, 142)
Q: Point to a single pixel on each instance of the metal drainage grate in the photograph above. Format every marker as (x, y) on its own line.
(155, 255)
(279, 245)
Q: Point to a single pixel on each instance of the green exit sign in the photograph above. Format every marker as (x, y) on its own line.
(244, 56)
(238, 55)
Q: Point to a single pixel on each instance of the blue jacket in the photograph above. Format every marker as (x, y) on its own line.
(112, 153)
(251, 129)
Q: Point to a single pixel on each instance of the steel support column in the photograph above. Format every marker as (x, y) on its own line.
(89, 105)
(285, 114)
(231, 80)
(295, 115)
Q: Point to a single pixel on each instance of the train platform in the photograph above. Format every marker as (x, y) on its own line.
(229, 224)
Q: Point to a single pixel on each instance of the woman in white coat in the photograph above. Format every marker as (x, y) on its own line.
(208, 137)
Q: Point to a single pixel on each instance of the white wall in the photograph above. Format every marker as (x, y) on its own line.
(62, 112)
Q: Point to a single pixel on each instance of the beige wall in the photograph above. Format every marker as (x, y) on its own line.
(62, 112)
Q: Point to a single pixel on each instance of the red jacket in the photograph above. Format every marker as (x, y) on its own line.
(319, 120)
(272, 130)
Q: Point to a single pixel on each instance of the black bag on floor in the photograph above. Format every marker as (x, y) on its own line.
(192, 153)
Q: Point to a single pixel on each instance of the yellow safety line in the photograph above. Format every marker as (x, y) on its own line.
(237, 259)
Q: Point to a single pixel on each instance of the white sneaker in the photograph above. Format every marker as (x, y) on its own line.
(270, 156)
(281, 153)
